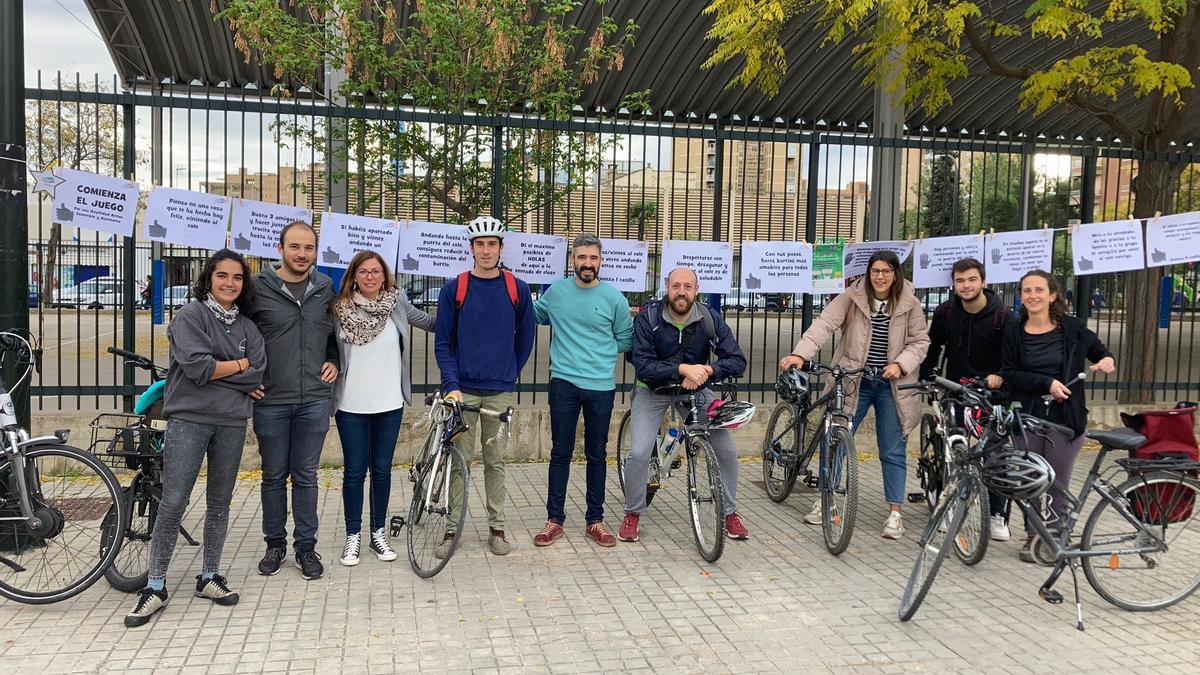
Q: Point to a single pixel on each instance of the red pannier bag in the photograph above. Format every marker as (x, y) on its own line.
(1169, 433)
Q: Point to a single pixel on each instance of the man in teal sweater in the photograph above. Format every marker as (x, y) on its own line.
(591, 326)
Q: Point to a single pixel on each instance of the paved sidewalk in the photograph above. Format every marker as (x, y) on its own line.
(776, 603)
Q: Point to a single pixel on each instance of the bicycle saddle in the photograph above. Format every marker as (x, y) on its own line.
(1119, 439)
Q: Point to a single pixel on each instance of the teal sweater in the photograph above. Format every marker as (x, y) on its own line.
(591, 326)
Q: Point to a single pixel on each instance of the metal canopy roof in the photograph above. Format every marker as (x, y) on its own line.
(153, 41)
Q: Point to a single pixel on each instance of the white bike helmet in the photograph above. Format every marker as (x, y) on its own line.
(729, 414)
(1017, 475)
(485, 226)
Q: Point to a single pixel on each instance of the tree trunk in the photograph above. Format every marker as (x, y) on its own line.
(1154, 192)
(49, 266)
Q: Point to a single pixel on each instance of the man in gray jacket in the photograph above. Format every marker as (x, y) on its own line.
(291, 418)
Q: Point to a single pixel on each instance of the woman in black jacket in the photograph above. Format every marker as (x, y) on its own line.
(1038, 357)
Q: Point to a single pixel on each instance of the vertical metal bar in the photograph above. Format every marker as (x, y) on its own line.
(810, 216)
(719, 181)
(129, 316)
(1087, 203)
(14, 216)
(498, 172)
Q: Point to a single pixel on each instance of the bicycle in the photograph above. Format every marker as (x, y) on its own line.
(1126, 536)
(439, 474)
(61, 512)
(135, 443)
(706, 498)
(942, 438)
(786, 457)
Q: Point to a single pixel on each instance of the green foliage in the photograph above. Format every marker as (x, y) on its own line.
(942, 211)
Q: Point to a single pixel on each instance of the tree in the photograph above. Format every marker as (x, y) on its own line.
(942, 211)
(464, 58)
(927, 46)
(638, 214)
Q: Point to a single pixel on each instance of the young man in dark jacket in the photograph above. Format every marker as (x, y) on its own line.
(970, 327)
(291, 310)
(670, 345)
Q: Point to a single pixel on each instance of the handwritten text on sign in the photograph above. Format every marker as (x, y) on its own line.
(342, 236)
(1011, 254)
(1171, 240)
(859, 254)
(433, 249)
(96, 202)
(624, 264)
(535, 258)
(935, 257)
(1101, 248)
(776, 267)
(255, 226)
(712, 261)
(187, 218)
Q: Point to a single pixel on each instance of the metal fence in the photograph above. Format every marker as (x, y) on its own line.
(652, 178)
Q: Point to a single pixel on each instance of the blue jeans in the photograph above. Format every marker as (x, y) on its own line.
(889, 434)
(566, 402)
(290, 437)
(368, 441)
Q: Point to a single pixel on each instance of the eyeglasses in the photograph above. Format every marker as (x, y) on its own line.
(875, 272)
(368, 273)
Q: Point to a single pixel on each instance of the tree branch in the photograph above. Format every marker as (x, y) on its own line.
(985, 51)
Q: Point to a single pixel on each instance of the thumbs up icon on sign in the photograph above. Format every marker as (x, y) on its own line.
(1085, 264)
(330, 256)
(410, 263)
(1158, 256)
(241, 243)
(157, 231)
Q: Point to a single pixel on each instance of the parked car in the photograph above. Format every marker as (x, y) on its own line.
(175, 297)
(96, 293)
(34, 296)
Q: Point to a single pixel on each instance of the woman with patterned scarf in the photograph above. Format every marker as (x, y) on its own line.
(372, 318)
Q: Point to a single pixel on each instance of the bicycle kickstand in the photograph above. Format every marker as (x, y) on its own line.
(188, 537)
(1078, 602)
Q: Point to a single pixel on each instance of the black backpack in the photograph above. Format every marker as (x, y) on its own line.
(709, 324)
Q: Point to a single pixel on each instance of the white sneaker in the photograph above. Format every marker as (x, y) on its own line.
(381, 547)
(351, 549)
(894, 527)
(999, 529)
(814, 517)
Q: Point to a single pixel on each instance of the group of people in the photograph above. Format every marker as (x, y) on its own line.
(284, 349)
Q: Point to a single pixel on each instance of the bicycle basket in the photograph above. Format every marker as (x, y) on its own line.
(1169, 433)
(123, 440)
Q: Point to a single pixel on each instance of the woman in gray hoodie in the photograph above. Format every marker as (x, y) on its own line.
(217, 359)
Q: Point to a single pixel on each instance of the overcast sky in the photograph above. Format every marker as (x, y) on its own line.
(61, 36)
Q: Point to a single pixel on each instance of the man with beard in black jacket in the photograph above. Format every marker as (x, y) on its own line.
(970, 327)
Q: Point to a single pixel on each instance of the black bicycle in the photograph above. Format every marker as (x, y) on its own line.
(798, 430)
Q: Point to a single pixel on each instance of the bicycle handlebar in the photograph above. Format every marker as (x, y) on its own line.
(1040, 424)
(504, 416)
(126, 355)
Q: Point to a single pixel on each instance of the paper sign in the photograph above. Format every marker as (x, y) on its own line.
(935, 257)
(1171, 240)
(857, 255)
(186, 218)
(827, 266)
(433, 249)
(255, 226)
(1011, 254)
(1101, 248)
(712, 261)
(535, 258)
(95, 202)
(624, 264)
(777, 267)
(344, 235)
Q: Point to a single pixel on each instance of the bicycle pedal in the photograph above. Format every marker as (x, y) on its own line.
(1051, 596)
(397, 524)
(653, 486)
(916, 497)
(676, 463)
(810, 480)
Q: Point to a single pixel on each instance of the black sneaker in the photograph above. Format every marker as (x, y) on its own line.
(310, 565)
(269, 565)
(215, 589)
(149, 601)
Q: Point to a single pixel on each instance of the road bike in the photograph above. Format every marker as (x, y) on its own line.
(798, 431)
(61, 511)
(439, 475)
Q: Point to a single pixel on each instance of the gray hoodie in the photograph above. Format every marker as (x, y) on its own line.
(299, 337)
(198, 341)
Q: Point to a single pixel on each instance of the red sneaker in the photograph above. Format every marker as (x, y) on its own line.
(734, 527)
(600, 534)
(549, 534)
(629, 527)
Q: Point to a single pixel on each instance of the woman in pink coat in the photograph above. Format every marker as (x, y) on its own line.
(883, 330)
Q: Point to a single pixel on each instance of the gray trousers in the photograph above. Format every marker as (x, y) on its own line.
(185, 446)
(647, 411)
(1061, 455)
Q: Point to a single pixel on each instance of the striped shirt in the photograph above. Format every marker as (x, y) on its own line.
(877, 354)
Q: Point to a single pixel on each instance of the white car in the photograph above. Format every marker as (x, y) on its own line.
(96, 293)
(175, 297)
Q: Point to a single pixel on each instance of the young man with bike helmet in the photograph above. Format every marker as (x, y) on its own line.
(591, 327)
(969, 329)
(672, 343)
(485, 334)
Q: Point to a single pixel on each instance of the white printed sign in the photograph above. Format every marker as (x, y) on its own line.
(1102, 248)
(186, 218)
(712, 261)
(624, 264)
(433, 249)
(935, 257)
(777, 267)
(859, 254)
(1011, 254)
(255, 226)
(1171, 240)
(96, 202)
(344, 235)
(535, 258)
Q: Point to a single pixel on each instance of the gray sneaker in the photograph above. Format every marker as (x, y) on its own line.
(443, 549)
(149, 601)
(814, 517)
(497, 544)
(894, 527)
(215, 589)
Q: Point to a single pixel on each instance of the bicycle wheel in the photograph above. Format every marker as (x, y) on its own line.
(971, 543)
(129, 570)
(83, 515)
(624, 440)
(931, 461)
(839, 496)
(433, 517)
(781, 449)
(1165, 503)
(706, 501)
(931, 553)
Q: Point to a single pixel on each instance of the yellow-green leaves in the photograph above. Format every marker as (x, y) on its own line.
(750, 29)
(1102, 74)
